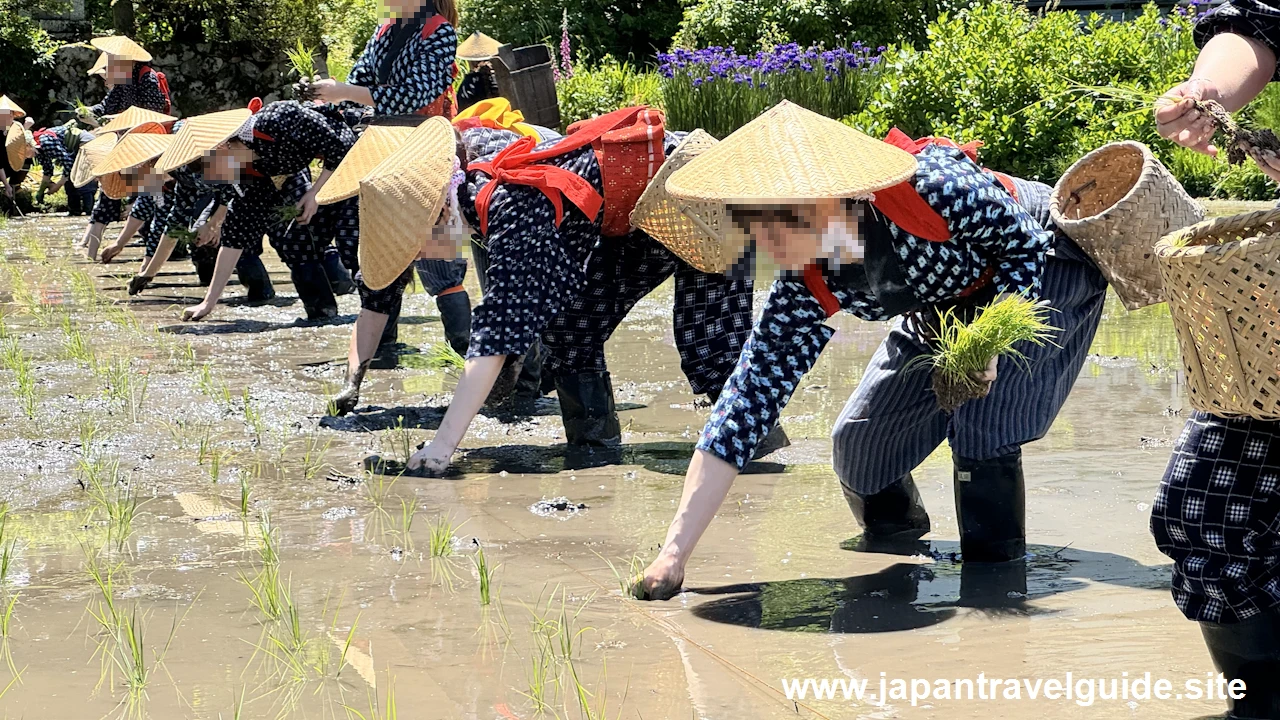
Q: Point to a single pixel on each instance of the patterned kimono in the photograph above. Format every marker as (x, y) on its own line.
(285, 138)
(1218, 508)
(142, 91)
(893, 422)
(572, 286)
(56, 146)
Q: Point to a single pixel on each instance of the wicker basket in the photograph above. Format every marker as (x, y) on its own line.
(1224, 295)
(1116, 203)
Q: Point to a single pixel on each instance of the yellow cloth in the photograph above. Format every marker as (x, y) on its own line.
(497, 112)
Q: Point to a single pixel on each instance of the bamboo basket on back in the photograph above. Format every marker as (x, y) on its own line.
(1221, 281)
(1116, 203)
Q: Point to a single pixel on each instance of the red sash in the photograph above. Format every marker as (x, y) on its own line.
(518, 164)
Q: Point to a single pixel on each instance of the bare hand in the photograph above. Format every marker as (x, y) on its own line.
(110, 252)
(209, 234)
(196, 313)
(1268, 161)
(1178, 119)
(8, 190)
(430, 461)
(662, 580)
(308, 207)
(329, 90)
(987, 376)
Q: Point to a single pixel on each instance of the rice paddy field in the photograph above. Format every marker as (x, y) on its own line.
(185, 534)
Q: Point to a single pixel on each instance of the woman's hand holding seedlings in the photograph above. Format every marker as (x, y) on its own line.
(1180, 120)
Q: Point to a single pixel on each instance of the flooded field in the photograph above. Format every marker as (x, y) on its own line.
(187, 536)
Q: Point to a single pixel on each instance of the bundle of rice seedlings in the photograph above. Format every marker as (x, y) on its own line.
(288, 213)
(962, 351)
(303, 61)
(444, 357)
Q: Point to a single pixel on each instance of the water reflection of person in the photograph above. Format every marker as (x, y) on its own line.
(939, 232)
(1218, 507)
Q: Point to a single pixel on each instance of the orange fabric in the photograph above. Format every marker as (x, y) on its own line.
(517, 164)
(629, 157)
(818, 287)
(452, 290)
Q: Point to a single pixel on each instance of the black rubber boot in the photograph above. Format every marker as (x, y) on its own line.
(991, 508)
(346, 401)
(253, 276)
(455, 315)
(587, 410)
(503, 391)
(387, 356)
(892, 517)
(312, 285)
(181, 251)
(993, 585)
(529, 383)
(204, 268)
(340, 281)
(1249, 651)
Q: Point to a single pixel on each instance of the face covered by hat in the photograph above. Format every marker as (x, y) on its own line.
(131, 164)
(785, 179)
(407, 179)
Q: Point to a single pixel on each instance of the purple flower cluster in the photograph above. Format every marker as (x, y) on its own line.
(724, 63)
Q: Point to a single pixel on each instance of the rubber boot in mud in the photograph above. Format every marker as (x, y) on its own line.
(1249, 651)
(455, 316)
(255, 279)
(893, 520)
(340, 282)
(592, 430)
(312, 285)
(991, 508)
(347, 400)
(387, 356)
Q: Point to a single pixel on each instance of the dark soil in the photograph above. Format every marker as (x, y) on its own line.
(952, 395)
(1241, 142)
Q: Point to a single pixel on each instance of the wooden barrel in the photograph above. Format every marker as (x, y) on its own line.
(526, 78)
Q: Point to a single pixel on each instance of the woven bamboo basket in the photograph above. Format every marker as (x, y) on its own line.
(1116, 203)
(1224, 296)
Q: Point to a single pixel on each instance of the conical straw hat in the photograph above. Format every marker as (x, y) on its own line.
(790, 154)
(15, 142)
(146, 142)
(478, 47)
(91, 153)
(401, 199)
(99, 67)
(115, 186)
(374, 146)
(122, 47)
(697, 232)
(11, 106)
(133, 117)
(200, 135)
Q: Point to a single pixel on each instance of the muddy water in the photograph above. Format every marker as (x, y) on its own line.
(774, 593)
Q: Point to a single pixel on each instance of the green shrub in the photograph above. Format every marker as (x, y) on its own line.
(751, 24)
(27, 52)
(634, 29)
(603, 87)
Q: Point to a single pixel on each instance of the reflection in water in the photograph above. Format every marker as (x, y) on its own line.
(907, 596)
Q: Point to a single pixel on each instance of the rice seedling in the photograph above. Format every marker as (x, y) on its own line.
(629, 576)
(34, 249)
(286, 214)
(120, 317)
(443, 357)
(8, 552)
(408, 509)
(441, 536)
(378, 489)
(485, 573)
(253, 418)
(962, 351)
(115, 501)
(6, 634)
(302, 59)
(19, 362)
(75, 346)
(84, 290)
(23, 297)
(346, 645)
(378, 710)
(313, 456)
(265, 587)
(246, 496)
(212, 387)
(552, 676)
(398, 440)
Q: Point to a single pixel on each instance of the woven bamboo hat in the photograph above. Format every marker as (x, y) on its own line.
(142, 144)
(16, 142)
(133, 117)
(374, 146)
(695, 231)
(401, 199)
(200, 135)
(121, 47)
(10, 106)
(478, 47)
(790, 153)
(99, 67)
(91, 153)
